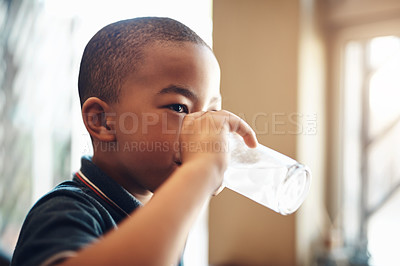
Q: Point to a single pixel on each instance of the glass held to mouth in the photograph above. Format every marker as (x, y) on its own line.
(266, 176)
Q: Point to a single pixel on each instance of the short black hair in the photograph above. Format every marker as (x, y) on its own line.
(116, 51)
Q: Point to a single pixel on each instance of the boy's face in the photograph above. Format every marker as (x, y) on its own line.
(172, 81)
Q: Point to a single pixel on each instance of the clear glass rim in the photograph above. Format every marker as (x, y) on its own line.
(286, 208)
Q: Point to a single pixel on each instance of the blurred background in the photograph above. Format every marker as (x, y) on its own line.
(318, 80)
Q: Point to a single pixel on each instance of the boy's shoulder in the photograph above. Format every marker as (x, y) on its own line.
(76, 199)
(68, 212)
(66, 192)
(70, 200)
(72, 215)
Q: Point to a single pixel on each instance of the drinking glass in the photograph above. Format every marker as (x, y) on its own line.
(266, 176)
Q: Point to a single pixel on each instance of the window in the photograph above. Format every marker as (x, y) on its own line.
(371, 149)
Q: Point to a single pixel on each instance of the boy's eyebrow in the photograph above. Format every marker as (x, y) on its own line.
(179, 90)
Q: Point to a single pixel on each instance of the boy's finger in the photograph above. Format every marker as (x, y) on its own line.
(239, 126)
(249, 138)
(236, 124)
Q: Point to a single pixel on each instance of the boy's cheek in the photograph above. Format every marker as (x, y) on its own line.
(145, 124)
(128, 123)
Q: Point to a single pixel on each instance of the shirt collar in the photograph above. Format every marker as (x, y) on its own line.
(109, 186)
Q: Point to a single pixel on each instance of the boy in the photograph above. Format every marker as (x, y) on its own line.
(149, 90)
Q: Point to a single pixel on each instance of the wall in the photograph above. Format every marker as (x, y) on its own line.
(256, 43)
(272, 59)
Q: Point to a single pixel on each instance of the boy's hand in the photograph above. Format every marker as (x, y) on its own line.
(204, 136)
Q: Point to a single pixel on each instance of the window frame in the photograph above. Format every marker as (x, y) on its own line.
(339, 38)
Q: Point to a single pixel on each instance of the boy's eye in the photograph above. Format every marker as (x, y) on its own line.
(179, 108)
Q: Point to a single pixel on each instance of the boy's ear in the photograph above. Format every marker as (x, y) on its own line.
(99, 119)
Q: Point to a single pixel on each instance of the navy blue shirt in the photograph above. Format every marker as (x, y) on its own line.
(72, 216)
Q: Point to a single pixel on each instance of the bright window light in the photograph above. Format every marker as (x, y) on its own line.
(371, 149)
(384, 54)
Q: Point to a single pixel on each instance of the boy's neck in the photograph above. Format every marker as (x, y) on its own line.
(106, 166)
